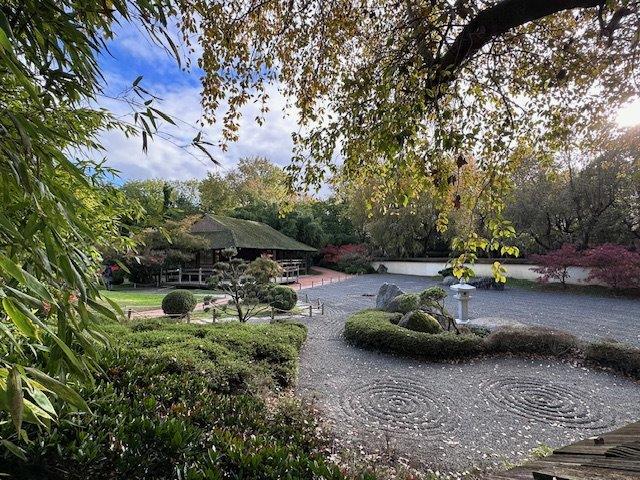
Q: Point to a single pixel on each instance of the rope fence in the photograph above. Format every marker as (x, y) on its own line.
(322, 281)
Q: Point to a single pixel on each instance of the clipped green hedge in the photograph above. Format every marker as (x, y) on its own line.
(532, 340)
(617, 356)
(172, 401)
(373, 329)
(234, 357)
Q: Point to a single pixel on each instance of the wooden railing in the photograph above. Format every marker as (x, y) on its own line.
(187, 276)
(199, 276)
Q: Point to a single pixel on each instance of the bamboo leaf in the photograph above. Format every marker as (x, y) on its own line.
(22, 323)
(59, 388)
(15, 398)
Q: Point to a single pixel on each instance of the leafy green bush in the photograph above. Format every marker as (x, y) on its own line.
(279, 297)
(179, 302)
(373, 329)
(156, 416)
(419, 321)
(404, 303)
(532, 340)
(235, 357)
(614, 355)
(355, 264)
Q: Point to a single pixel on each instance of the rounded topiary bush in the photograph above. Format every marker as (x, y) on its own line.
(404, 303)
(419, 321)
(280, 297)
(179, 302)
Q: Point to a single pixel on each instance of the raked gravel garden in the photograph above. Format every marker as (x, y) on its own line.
(458, 416)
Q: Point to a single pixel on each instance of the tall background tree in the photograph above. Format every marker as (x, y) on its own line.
(423, 86)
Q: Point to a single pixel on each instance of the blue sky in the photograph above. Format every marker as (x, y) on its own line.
(131, 54)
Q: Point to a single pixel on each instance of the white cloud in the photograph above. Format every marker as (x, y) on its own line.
(166, 159)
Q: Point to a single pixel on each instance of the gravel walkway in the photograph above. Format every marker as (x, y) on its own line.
(452, 417)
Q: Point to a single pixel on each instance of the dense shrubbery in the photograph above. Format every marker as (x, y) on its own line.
(419, 321)
(532, 340)
(614, 355)
(353, 259)
(279, 297)
(176, 402)
(372, 329)
(179, 302)
(376, 329)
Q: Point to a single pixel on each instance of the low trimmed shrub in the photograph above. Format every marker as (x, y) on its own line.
(419, 321)
(279, 297)
(614, 355)
(154, 417)
(179, 302)
(532, 340)
(373, 329)
(404, 303)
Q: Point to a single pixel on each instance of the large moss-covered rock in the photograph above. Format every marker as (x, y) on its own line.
(419, 321)
(387, 292)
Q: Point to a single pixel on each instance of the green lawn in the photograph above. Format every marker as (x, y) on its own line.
(144, 298)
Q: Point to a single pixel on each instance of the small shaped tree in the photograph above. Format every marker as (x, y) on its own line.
(231, 277)
(614, 265)
(555, 264)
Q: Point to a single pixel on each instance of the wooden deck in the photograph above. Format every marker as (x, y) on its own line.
(611, 456)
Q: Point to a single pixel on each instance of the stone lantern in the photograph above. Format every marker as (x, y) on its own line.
(463, 294)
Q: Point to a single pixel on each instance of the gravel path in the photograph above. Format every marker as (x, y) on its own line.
(452, 417)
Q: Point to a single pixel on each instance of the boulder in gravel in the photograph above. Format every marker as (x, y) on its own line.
(387, 292)
(382, 268)
(486, 283)
(450, 280)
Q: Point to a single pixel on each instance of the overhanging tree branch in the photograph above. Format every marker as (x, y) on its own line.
(494, 22)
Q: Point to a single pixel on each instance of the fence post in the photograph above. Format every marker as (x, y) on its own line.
(311, 283)
(306, 297)
(310, 311)
(129, 312)
(200, 275)
(322, 309)
(318, 303)
(272, 313)
(213, 315)
(179, 274)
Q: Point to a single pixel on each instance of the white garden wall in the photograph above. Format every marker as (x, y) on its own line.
(430, 268)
